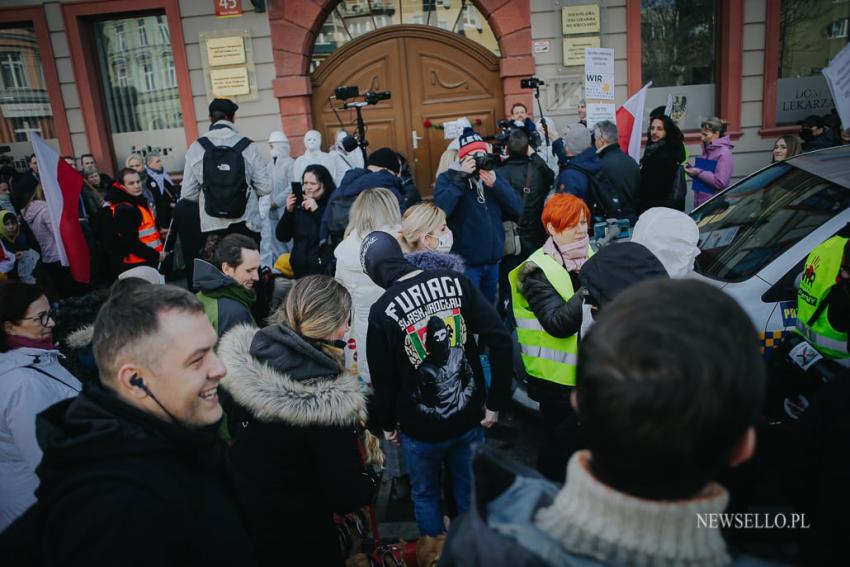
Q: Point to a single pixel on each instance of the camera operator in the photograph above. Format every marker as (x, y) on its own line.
(476, 201)
(531, 178)
(519, 115)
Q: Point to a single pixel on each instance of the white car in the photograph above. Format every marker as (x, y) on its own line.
(755, 235)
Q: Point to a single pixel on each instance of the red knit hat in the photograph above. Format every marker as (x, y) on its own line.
(470, 142)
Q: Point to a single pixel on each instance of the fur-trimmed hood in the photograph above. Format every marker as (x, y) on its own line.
(273, 386)
(433, 260)
(80, 338)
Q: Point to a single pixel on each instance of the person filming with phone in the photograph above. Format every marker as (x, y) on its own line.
(301, 222)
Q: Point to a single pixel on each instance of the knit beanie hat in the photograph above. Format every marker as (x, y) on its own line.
(470, 142)
(386, 158)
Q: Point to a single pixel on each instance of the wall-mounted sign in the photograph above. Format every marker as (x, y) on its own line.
(597, 112)
(580, 19)
(599, 74)
(230, 82)
(227, 58)
(228, 8)
(837, 74)
(542, 46)
(574, 49)
(799, 97)
(225, 51)
(25, 109)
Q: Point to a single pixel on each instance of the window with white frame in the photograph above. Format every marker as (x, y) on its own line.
(143, 33)
(12, 70)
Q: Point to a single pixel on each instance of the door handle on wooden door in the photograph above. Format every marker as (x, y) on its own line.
(415, 139)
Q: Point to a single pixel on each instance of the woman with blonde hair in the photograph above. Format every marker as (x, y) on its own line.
(374, 209)
(296, 457)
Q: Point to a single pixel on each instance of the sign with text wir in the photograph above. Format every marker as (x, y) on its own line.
(598, 74)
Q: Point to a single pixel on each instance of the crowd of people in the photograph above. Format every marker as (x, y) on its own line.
(337, 328)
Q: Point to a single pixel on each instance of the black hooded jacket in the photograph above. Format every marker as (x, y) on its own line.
(302, 227)
(122, 487)
(119, 233)
(295, 456)
(533, 172)
(658, 170)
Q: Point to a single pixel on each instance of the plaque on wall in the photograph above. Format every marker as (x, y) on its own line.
(227, 58)
(580, 19)
(574, 49)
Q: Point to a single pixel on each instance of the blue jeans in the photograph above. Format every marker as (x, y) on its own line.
(485, 278)
(424, 461)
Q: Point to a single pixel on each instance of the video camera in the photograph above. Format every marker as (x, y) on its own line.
(511, 129)
(531, 83)
(344, 93)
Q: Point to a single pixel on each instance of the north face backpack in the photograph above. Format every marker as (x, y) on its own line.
(224, 185)
(603, 197)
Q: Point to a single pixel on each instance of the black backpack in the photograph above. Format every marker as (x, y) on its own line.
(603, 198)
(224, 185)
(338, 213)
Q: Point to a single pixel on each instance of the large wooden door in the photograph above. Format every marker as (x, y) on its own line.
(433, 75)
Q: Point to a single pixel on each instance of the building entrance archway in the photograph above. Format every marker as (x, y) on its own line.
(434, 76)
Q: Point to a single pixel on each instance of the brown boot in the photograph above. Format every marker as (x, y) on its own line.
(428, 550)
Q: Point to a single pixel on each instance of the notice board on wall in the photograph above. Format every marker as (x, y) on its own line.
(228, 64)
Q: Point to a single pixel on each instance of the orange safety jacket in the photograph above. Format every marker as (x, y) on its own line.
(148, 232)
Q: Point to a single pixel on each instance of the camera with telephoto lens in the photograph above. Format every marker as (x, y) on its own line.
(345, 93)
(531, 83)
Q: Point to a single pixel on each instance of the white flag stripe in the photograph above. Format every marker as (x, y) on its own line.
(48, 172)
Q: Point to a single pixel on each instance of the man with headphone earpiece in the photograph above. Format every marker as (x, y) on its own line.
(132, 472)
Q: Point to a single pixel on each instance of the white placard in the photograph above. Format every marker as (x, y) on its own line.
(542, 46)
(452, 130)
(599, 73)
(837, 74)
(599, 111)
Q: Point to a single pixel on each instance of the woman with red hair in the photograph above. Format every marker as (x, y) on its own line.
(548, 315)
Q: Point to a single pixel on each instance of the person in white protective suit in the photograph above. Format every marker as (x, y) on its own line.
(672, 236)
(312, 154)
(271, 205)
(344, 160)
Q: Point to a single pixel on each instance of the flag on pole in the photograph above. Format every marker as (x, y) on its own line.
(630, 123)
(62, 185)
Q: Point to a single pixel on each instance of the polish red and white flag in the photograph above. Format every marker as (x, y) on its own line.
(62, 185)
(630, 123)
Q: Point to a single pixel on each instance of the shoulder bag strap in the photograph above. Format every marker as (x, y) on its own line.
(52, 377)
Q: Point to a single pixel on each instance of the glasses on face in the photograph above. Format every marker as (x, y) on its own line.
(44, 317)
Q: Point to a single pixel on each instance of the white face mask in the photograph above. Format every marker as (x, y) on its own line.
(312, 140)
(444, 242)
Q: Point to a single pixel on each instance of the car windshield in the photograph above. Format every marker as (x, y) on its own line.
(748, 226)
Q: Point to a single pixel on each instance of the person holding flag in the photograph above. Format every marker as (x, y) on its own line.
(128, 226)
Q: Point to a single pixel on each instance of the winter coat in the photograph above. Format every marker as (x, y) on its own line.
(672, 236)
(826, 140)
(572, 180)
(532, 234)
(164, 198)
(433, 260)
(232, 301)
(502, 528)
(271, 208)
(31, 380)
(624, 175)
(407, 395)
(617, 267)
(119, 232)
(357, 180)
(37, 217)
(364, 292)
(303, 228)
(121, 486)
(296, 458)
(719, 151)
(256, 174)
(658, 169)
(475, 215)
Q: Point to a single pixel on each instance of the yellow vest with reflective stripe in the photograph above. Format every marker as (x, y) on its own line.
(544, 356)
(819, 276)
